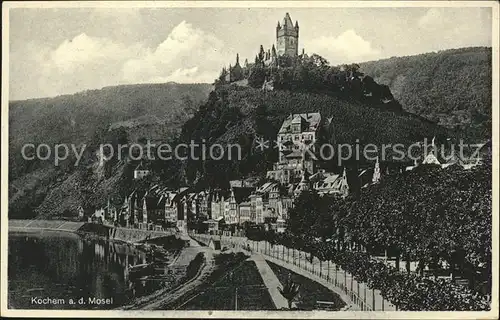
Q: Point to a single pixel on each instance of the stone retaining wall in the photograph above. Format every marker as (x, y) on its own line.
(116, 233)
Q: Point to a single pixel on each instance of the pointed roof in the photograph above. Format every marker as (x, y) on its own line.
(294, 154)
(266, 187)
(310, 120)
(298, 119)
(287, 21)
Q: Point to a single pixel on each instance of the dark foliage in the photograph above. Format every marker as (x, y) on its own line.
(439, 215)
(450, 86)
(237, 115)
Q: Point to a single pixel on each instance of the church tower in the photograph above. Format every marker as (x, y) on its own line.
(287, 37)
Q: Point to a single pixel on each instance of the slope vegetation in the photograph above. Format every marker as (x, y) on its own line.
(450, 86)
(244, 115)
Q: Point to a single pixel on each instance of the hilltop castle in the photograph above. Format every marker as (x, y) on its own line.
(287, 47)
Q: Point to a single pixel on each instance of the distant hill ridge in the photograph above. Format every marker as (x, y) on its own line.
(80, 117)
(452, 87)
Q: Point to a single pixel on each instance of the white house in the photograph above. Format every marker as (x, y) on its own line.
(140, 172)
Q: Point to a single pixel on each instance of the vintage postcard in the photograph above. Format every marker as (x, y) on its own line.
(250, 159)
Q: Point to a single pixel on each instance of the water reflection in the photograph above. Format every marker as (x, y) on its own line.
(67, 266)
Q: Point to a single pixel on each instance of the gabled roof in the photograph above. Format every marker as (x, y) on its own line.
(294, 154)
(431, 159)
(298, 119)
(141, 166)
(331, 181)
(181, 193)
(310, 122)
(218, 219)
(266, 187)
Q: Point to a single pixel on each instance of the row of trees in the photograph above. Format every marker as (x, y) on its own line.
(433, 216)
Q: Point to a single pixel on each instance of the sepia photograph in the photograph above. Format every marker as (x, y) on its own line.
(247, 159)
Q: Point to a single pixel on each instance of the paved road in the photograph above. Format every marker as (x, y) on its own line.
(328, 275)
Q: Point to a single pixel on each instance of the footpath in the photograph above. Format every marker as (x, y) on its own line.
(271, 281)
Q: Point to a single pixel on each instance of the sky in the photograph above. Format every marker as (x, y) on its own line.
(63, 51)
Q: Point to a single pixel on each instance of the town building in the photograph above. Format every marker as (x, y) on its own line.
(296, 144)
(331, 183)
(98, 216)
(153, 211)
(171, 207)
(141, 171)
(215, 225)
(239, 203)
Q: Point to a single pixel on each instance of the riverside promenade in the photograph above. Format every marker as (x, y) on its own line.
(356, 294)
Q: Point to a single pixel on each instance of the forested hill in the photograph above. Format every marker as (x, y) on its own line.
(452, 87)
(149, 111)
(243, 115)
(80, 117)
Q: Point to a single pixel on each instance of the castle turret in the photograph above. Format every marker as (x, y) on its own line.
(287, 37)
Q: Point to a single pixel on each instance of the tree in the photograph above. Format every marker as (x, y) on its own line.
(257, 76)
(290, 291)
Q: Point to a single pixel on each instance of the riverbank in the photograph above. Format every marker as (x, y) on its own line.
(167, 257)
(41, 225)
(127, 235)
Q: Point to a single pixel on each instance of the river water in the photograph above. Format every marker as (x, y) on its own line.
(58, 270)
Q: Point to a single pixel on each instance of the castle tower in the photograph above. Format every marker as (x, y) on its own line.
(287, 37)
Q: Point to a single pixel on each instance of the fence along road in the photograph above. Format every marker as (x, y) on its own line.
(326, 273)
